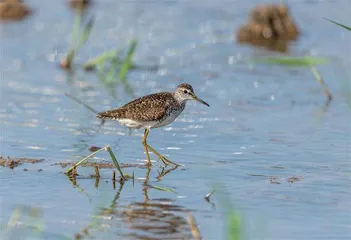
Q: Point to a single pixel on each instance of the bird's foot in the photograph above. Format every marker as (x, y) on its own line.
(167, 162)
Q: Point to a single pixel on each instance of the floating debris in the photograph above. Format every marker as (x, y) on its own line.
(294, 179)
(208, 195)
(269, 26)
(274, 180)
(94, 148)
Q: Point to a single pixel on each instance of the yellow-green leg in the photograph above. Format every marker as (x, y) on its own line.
(143, 140)
(148, 147)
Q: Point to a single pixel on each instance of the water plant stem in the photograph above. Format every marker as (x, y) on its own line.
(84, 160)
(322, 83)
(106, 148)
(208, 195)
(114, 160)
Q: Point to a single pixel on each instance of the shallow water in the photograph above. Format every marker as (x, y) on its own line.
(264, 121)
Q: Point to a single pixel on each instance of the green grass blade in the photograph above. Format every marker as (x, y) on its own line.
(322, 83)
(298, 62)
(234, 226)
(85, 34)
(25, 217)
(67, 62)
(70, 55)
(128, 61)
(104, 79)
(74, 45)
(161, 188)
(102, 58)
(114, 160)
(75, 34)
(16, 214)
(84, 159)
(339, 24)
(291, 61)
(76, 27)
(111, 75)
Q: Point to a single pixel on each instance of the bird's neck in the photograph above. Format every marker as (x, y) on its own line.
(181, 101)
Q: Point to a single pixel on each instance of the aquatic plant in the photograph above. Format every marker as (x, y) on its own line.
(348, 93)
(112, 68)
(112, 155)
(24, 221)
(110, 65)
(339, 24)
(79, 38)
(305, 61)
(234, 225)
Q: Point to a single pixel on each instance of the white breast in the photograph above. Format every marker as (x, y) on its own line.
(168, 120)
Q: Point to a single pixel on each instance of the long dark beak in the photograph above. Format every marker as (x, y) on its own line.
(200, 100)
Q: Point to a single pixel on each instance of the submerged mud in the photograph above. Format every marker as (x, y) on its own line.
(15, 162)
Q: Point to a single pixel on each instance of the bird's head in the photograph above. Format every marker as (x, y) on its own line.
(185, 92)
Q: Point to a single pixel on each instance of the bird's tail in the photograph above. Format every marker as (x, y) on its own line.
(111, 114)
(104, 115)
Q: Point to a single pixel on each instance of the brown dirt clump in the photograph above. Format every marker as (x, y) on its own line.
(79, 4)
(15, 162)
(65, 64)
(269, 26)
(94, 148)
(13, 10)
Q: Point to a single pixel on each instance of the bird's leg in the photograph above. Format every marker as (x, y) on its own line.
(143, 140)
(148, 147)
(164, 160)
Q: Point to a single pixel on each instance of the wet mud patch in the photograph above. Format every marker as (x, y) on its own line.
(278, 180)
(102, 165)
(15, 162)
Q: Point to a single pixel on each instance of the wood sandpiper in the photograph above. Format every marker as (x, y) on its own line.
(153, 111)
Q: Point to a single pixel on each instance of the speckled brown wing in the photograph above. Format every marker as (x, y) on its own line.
(148, 108)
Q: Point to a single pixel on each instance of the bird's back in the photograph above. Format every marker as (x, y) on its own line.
(151, 107)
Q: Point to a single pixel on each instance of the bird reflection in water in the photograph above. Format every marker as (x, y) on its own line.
(148, 219)
(156, 218)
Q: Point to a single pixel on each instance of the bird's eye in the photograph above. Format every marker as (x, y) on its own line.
(185, 91)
